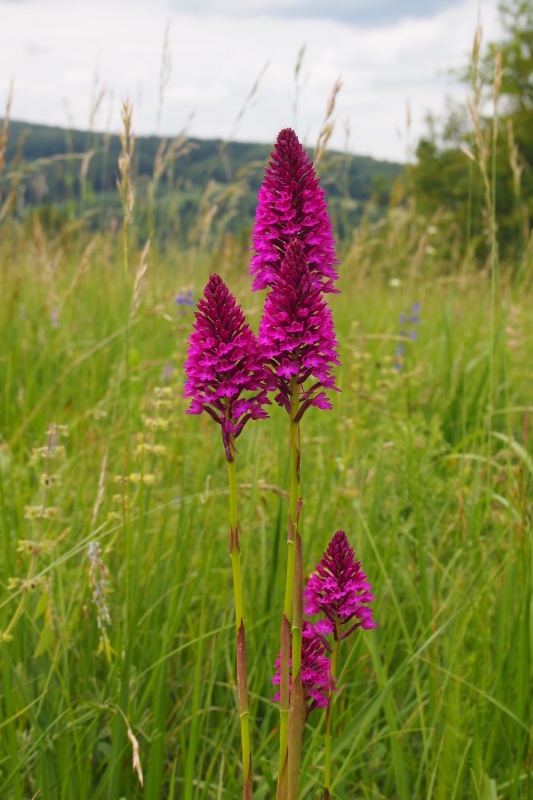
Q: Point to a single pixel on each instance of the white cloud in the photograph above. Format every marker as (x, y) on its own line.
(53, 50)
(356, 12)
(77, 77)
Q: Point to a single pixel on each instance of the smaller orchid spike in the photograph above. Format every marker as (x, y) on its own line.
(339, 589)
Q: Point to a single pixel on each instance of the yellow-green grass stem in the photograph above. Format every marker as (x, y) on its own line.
(7, 634)
(242, 687)
(329, 715)
(295, 495)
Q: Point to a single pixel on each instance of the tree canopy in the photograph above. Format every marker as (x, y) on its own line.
(448, 170)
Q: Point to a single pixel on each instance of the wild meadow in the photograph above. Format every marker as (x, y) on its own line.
(116, 597)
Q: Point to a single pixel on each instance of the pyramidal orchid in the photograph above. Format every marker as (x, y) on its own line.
(295, 259)
(296, 334)
(292, 205)
(223, 362)
(227, 379)
(340, 590)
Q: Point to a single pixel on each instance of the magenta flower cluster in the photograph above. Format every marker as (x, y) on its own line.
(292, 205)
(223, 362)
(316, 669)
(295, 257)
(340, 590)
(296, 333)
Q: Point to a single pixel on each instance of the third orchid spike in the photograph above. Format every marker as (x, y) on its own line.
(292, 206)
(316, 671)
(340, 590)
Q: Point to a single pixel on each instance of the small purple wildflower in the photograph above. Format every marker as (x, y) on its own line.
(409, 329)
(291, 205)
(316, 669)
(167, 371)
(223, 362)
(296, 333)
(340, 590)
(54, 317)
(184, 299)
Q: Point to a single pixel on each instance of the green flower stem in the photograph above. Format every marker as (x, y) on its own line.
(289, 588)
(234, 544)
(295, 497)
(329, 714)
(297, 704)
(242, 687)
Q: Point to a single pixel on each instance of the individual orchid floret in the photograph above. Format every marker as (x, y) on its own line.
(292, 205)
(316, 669)
(296, 334)
(340, 590)
(223, 362)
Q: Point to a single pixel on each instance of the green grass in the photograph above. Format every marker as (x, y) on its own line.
(432, 491)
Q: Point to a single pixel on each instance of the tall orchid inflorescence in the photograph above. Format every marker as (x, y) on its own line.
(229, 374)
(295, 259)
(226, 378)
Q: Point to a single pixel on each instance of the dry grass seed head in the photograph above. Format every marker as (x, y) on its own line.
(139, 275)
(125, 184)
(328, 124)
(5, 128)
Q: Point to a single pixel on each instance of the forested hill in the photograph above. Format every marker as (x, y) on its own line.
(61, 166)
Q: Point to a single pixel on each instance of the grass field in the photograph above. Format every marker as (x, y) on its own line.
(116, 600)
(427, 467)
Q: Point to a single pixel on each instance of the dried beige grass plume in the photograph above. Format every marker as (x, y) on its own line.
(125, 183)
(5, 127)
(328, 125)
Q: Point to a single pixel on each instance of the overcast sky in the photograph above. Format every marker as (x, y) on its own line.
(387, 52)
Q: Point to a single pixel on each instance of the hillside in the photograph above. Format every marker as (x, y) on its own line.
(77, 170)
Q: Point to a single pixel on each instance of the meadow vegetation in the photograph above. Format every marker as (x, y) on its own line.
(116, 607)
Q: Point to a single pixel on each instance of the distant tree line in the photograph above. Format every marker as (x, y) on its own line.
(66, 173)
